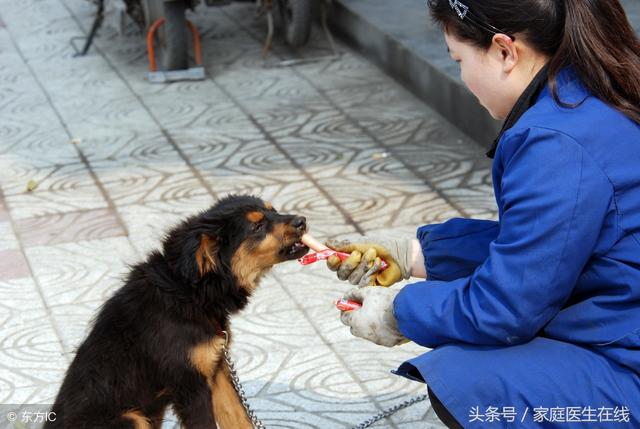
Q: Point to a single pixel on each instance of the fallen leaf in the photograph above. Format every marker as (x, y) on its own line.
(32, 185)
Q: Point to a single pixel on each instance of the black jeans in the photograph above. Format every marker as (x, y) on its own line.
(443, 414)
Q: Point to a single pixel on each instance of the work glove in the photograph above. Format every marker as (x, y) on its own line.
(374, 321)
(362, 268)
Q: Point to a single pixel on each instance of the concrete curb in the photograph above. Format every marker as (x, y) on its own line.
(446, 95)
(404, 44)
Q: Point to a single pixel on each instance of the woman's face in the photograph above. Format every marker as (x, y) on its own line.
(483, 72)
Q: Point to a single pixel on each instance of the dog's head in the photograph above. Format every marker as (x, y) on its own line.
(241, 236)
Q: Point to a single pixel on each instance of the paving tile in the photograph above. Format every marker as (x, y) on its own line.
(38, 149)
(69, 227)
(284, 390)
(351, 70)
(75, 321)
(312, 122)
(84, 114)
(24, 320)
(31, 366)
(60, 189)
(38, 394)
(130, 182)
(131, 144)
(4, 215)
(147, 224)
(49, 177)
(81, 271)
(273, 321)
(278, 86)
(378, 203)
(8, 239)
(325, 159)
(208, 148)
(13, 265)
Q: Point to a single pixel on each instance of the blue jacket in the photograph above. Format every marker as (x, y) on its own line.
(557, 278)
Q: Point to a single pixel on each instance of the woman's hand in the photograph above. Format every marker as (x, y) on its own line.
(374, 321)
(362, 268)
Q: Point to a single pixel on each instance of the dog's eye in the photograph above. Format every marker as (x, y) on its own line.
(258, 226)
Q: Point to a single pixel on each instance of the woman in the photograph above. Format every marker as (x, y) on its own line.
(533, 320)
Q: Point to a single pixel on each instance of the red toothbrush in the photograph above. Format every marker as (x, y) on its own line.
(322, 252)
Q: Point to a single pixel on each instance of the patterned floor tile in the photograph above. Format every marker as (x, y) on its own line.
(215, 111)
(7, 237)
(378, 168)
(39, 148)
(4, 214)
(273, 321)
(69, 227)
(26, 107)
(374, 203)
(105, 144)
(75, 319)
(308, 387)
(316, 122)
(38, 394)
(222, 180)
(48, 177)
(24, 320)
(60, 189)
(147, 224)
(82, 271)
(325, 159)
(31, 366)
(130, 182)
(417, 209)
(208, 148)
(278, 86)
(13, 264)
(419, 416)
(377, 95)
(85, 114)
(351, 70)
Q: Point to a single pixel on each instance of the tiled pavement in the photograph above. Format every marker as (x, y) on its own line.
(117, 160)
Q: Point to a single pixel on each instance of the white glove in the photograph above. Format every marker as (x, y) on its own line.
(374, 321)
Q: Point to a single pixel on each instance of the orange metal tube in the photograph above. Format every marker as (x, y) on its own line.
(197, 49)
(150, 51)
(196, 42)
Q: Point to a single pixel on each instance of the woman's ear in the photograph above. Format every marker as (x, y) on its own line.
(206, 255)
(506, 49)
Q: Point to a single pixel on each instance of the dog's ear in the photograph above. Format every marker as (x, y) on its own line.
(207, 255)
(191, 254)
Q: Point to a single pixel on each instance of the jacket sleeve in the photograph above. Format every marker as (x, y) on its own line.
(454, 249)
(554, 200)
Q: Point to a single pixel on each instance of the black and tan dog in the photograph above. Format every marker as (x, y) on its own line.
(158, 340)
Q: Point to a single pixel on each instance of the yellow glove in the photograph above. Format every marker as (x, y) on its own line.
(362, 268)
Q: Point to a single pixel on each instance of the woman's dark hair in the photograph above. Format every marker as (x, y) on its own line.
(593, 36)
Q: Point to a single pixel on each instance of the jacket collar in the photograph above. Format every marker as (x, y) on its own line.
(527, 99)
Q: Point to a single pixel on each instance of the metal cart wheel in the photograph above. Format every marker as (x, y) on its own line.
(173, 36)
(297, 18)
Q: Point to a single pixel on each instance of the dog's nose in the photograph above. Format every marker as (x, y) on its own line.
(299, 222)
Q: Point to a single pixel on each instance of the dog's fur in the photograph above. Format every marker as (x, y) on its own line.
(158, 340)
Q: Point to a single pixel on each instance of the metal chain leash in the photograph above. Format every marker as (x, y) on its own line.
(238, 386)
(389, 411)
(259, 425)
